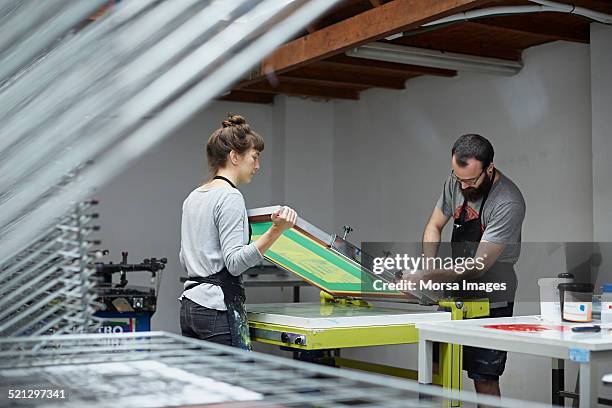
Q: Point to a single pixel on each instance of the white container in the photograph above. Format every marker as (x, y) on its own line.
(577, 302)
(606, 304)
(550, 303)
(606, 315)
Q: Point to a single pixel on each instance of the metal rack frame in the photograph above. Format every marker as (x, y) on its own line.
(113, 89)
(47, 288)
(82, 98)
(281, 382)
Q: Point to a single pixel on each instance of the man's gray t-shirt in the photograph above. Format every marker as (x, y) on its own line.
(502, 217)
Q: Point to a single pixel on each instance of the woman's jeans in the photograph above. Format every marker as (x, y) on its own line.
(202, 323)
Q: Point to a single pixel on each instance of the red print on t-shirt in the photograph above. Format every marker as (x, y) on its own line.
(470, 214)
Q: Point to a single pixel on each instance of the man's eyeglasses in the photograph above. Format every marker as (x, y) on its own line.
(470, 182)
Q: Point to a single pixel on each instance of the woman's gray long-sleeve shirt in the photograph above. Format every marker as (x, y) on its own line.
(214, 234)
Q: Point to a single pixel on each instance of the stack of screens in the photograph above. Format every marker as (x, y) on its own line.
(162, 370)
(86, 88)
(102, 92)
(47, 287)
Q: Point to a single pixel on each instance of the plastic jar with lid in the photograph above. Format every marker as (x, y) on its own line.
(576, 302)
(606, 304)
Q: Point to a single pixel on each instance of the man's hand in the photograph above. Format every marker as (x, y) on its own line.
(413, 276)
(433, 232)
(435, 275)
(488, 252)
(420, 291)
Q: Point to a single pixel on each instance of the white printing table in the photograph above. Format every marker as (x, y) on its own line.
(523, 334)
(314, 315)
(314, 326)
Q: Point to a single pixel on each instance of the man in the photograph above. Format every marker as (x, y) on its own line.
(488, 211)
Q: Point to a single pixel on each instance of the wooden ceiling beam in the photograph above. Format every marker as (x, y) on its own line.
(301, 89)
(598, 5)
(371, 25)
(327, 73)
(317, 25)
(323, 82)
(538, 26)
(467, 39)
(250, 97)
(343, 62)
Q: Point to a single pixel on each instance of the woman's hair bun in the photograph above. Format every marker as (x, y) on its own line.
(233, 120)
(235, 134)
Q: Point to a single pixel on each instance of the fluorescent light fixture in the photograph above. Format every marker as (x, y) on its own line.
(435, 59)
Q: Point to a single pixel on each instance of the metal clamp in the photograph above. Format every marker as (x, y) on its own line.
(347, 229)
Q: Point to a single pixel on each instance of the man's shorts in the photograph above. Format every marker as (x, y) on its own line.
(486, 364)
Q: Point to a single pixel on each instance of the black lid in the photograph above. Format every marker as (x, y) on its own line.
(577, 287)
(566, 275)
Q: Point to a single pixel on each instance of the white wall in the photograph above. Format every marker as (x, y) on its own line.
(309, 160)
(140, 211)
(394, 147)
(601, 105)
(378, 165)
(601, 97)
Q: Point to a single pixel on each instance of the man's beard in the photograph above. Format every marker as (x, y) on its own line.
(474, 194)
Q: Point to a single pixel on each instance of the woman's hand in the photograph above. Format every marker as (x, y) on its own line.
(284, 218)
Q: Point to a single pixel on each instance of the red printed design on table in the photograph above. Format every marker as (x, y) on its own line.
(526, 328)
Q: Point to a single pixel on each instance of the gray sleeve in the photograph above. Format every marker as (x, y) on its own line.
(182, 260)
(445, 201)
(181, 256)
(505, 224)
(230, 221)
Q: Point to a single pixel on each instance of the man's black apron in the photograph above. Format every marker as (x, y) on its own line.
(467, 233)
(233, 296)
(465, 239)
(464, 243)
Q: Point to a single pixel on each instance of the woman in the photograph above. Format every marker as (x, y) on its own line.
(215, 247)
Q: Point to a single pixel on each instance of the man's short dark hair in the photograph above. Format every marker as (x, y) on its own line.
(473, 146)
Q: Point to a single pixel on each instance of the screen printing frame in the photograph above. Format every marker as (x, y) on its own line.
(330, 243)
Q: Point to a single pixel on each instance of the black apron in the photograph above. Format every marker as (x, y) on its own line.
(233, 296)
(467, 234)
(464, 243)
(465, 239)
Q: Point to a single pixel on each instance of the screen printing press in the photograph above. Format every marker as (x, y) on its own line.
(344, 317)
